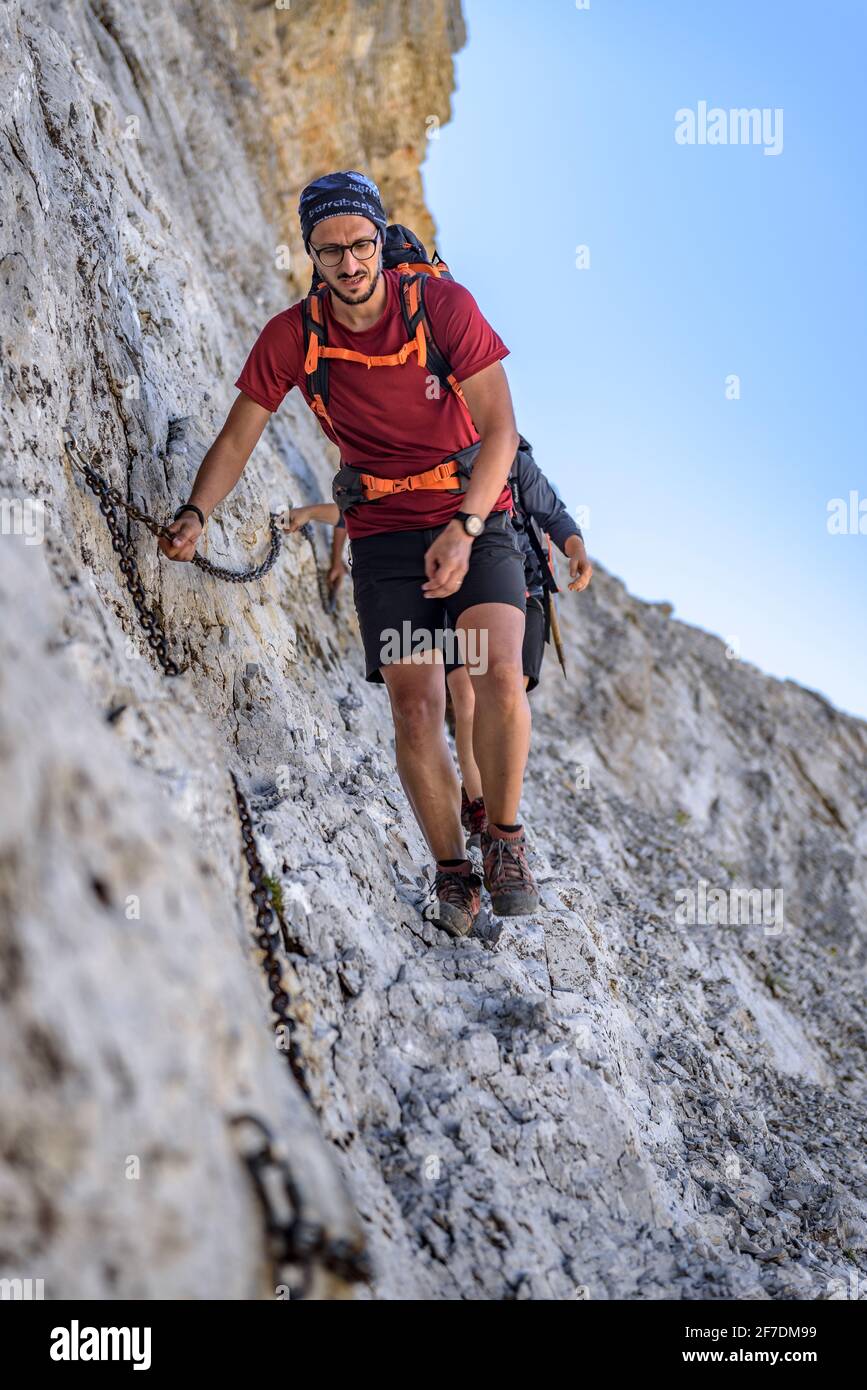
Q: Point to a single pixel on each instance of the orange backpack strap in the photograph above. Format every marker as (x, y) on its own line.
(420, 341)
(412, 303)
(391, 359)
(423, 268)
(315, 360)
(441, 478)
(317, 353)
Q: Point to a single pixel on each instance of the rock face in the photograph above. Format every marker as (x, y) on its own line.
(344, 85)
(606, 1100)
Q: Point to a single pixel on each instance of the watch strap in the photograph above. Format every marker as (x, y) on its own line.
(463, 517)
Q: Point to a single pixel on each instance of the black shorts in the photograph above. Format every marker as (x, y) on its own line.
(395, 617)
(534, 641)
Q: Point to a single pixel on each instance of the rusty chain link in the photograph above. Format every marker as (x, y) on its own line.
(295, 1242)
(245, 576)
(110, 500)
(103, 489)
(267, 937)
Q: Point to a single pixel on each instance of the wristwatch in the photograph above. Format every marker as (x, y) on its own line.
(473, 525)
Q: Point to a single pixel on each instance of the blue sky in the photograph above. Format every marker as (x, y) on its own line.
(706, 261)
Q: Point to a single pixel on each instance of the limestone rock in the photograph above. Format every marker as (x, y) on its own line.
(597, 1102)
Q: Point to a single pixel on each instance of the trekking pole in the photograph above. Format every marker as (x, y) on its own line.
(556, 635)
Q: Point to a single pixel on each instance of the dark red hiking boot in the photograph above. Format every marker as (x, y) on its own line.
(512, 887)
(474, 819)
(458, 892)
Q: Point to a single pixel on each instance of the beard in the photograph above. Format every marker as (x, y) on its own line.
(363, 297)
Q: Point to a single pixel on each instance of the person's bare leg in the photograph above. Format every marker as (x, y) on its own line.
(494, 635)
(463, 703)
(424, 763)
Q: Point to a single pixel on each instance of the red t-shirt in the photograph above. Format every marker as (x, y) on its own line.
(392, 421)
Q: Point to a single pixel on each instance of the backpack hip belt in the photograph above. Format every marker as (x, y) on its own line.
(438, 479)
(350, 485)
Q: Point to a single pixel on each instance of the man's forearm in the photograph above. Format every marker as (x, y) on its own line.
(490, 471)
(218, 474)
(324, 511)
(338, 541)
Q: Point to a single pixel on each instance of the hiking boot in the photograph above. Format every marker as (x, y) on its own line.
(474, 819)
(508, 879)
(458, 895)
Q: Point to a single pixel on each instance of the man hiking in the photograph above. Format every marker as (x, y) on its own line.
(539, 515)
(424, 555)
(539, 512)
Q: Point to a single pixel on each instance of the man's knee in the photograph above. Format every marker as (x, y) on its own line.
(417, 709)
(502, 679)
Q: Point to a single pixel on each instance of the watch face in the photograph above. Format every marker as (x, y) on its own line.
(474, 525)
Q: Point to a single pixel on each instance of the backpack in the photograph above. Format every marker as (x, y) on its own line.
(403, 251)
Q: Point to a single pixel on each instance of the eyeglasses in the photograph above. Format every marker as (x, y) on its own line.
(333, 255)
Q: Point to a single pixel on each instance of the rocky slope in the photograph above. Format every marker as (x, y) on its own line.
(597, 1102)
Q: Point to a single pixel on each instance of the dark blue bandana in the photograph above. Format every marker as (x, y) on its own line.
(347, 194)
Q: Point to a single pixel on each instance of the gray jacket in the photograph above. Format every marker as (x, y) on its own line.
(537, 504)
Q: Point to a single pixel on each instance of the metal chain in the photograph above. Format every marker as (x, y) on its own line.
(268, 934)
(109, 498)
(295, 1242)
(245, 576)
(109, 501)
(102, 488)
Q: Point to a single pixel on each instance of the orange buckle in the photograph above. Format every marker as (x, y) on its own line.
(433, 479)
